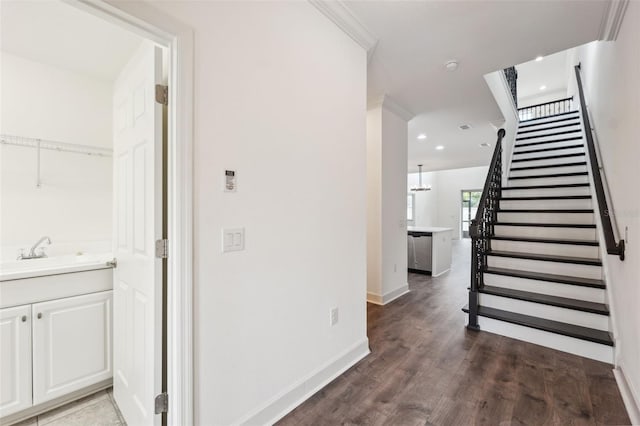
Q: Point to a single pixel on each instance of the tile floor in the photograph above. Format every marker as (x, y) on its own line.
(97, 409)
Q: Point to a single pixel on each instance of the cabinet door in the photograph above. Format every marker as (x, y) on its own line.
(15, 359)
(71, 344)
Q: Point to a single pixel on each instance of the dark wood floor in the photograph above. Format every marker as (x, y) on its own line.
(425, 368)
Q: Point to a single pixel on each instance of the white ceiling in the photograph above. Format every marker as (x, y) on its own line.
(416, 38)
(58, 34)
(552, 72)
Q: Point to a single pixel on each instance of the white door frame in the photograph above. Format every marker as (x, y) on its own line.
(143, 19)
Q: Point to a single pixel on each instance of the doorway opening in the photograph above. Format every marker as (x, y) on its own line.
(469, 207)
(90, 131)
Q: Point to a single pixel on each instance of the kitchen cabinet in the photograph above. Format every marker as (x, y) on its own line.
(429, 250)
(15, 359)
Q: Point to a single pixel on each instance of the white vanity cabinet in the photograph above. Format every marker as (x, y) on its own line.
(51, 349)
(71, 344)
(15, 359)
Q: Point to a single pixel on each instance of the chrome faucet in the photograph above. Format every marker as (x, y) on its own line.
(32, 251)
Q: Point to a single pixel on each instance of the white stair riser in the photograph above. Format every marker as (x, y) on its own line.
(559, 342)
(565, 203)
(545, 130)
(570, 291)
(546, 248)
(583, 234)
(564, 151)
(528, 217)
(563, 180)
(547, 170)
(575, 115)
(558, 162)
(522, 146)
(546, 267)
(546, 192)
(539, 310)
(547, 138)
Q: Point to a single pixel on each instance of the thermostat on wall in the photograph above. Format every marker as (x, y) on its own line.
(229, 181)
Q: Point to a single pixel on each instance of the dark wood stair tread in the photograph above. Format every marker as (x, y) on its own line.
(545, 211)
(575, 119)
(548, 157)
(549, 166)
(565, 132)
(546, 240)
(559, 126)
(545, 299)
(570, 330)
(546, 257)
(553, 175)
(562, 185)
(546, 197)
(547, 225)
(541, 276)
(521, 145)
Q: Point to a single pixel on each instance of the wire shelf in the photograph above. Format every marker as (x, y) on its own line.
(55, 145)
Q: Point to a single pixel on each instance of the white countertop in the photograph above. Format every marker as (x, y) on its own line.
(427, 229)
(52, 266)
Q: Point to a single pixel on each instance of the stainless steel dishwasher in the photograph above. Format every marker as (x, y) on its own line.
(420, 255)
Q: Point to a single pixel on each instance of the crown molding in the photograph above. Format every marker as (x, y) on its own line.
(344, 18)
(612, 20)
(389, 104)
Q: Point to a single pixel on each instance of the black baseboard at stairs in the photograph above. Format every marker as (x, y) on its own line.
(570, 330)
(562, 114)
(546, 240)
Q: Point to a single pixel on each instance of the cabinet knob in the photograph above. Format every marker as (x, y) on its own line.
(24, 318)
(39, 315)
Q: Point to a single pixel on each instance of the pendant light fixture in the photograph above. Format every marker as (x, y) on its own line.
(420, 186)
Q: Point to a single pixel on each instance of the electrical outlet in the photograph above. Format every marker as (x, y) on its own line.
(333, 316)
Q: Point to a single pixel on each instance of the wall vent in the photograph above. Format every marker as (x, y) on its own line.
(465, 127)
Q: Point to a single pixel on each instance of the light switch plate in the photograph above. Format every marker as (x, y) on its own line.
(232, 239)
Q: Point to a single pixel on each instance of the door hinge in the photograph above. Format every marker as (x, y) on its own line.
(162, 403)
(162, 94)
(162, 248)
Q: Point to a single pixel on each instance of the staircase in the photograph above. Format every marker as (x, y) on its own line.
(540, 277)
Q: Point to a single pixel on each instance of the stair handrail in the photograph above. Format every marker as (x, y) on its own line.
(613, 247)
(545, 109)
(482, 227)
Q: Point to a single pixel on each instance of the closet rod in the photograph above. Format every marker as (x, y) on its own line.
(54, 145)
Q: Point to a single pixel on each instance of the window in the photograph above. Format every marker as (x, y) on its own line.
(470, 200)
(411, 207)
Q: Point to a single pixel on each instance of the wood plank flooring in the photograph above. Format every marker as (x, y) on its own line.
(425, 368)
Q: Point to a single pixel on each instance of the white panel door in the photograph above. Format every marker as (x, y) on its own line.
(137, 282)
(15, 359)
(71, 344)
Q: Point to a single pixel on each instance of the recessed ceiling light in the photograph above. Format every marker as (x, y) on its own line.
(439, 147)
(451, 65)
(539, 58)
(485, 145)
(543, 87)
(464, 127)
(422, 136)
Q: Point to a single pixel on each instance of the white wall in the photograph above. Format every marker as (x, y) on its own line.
(542, 98)
(386, 215)
(73, 206)
(442, 206)
(281, 99)
(610, 73)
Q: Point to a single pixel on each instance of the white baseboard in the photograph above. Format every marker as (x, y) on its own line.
(377, 299)
(283, 403)
(629, 397)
